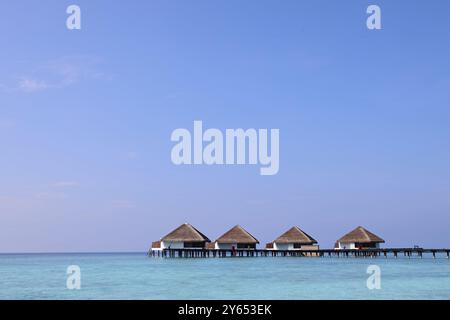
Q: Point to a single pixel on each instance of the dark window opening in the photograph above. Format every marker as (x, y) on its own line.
(246, 246)
(194, 244)
(371, 245)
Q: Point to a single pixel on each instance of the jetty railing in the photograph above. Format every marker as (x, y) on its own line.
(337, 253)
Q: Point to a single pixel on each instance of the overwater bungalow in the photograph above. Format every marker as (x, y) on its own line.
(360, 238)
(183, 237)
(236, 238)
(293, 239)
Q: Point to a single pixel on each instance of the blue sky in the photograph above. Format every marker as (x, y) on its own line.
(86, 118)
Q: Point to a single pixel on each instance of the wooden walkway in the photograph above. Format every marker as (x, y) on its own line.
(362, 253)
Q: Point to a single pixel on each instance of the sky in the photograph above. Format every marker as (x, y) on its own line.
(86, 118)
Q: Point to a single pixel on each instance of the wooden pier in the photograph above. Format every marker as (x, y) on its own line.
(332, 253)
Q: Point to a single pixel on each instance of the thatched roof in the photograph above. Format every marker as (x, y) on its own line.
(361, 235)
(186, 233)
(295, 235)
(237, 235)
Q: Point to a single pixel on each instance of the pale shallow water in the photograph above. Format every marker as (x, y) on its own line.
(135, 276)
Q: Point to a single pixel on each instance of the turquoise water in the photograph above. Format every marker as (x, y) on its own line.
(135, 276)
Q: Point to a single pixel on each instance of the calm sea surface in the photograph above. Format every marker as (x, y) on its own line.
(135, 276)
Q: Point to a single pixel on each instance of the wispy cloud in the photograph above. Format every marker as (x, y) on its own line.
(132, 155)
(7, 123)
(50, 193)
(32, 85)
(56, 74)
(123, 204)
(57, 190)
(6, 199)
(65, 184)
(50, 196)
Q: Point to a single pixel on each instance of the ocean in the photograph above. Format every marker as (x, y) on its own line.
(135, 276)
